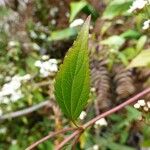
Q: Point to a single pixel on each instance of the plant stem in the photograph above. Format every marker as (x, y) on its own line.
(109, 112)
(48, 137)
(78, 131)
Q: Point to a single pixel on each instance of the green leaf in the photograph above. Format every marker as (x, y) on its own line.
(72, 84)
(141, 42)
(116, 8)
(62, 34)
(116, 146)
(131, 34)
(76, 7)
(141, 60)
(130, 52)
(114, 41)
(90, 10)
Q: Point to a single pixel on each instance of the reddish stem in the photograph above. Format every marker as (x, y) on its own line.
(32, 146)
(109, 112)
(117, 108)
(74, 134)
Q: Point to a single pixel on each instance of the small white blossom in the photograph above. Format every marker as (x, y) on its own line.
(5, 100)
(45, 57)
(26, 77)
(148, 104)
(146, 25)
(16, 95)
(137, 4)
(82, 115)
(146, 108)
(3, 130)
(101, 122)
(141, 102)
(14, 142)
(77, 22)
(47, 67)
(11, 91)
(137, 106)
(36, 46)
(38, 63)
(95, 147)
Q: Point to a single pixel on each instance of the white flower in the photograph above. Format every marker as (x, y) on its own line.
(14, 142)
(137, 106)
(47, 67)
(101, 122)
(26, 77)
(141, 102)
(3, 130)
(95, 147)
(5, 100)
(44, 72)
(11, 91)
(146, 25)
(148, 104)
(36, 46)
(38, 63)
(77, 22)
(137, 4)
(16, 95)
(146, 108)
(82, 115)
(45, 57)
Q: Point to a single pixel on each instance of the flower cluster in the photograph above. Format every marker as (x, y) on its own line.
(11, 91)
(138, 4)
(142, 103)
(47, 67)
(146, 24)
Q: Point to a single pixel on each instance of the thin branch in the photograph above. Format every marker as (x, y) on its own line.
(109, 112)
(117, 108)
(24, 111)
(32, 146)
(65, 141)
(75, 142)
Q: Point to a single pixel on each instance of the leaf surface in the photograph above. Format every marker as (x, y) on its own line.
(141, 60)
(76, 7)
(72, 84)
(116, 8)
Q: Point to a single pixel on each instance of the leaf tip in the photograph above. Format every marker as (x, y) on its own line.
(88, 20)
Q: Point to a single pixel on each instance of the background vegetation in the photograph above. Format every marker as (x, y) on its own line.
(34, 38)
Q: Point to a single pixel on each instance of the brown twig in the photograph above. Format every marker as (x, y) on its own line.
(75, 142)
(65, 141)
(78, 131)
(48, 137)
(111, 111)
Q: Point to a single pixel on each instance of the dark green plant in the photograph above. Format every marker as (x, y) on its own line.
(72, 88)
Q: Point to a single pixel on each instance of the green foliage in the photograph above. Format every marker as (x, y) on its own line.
(62, 34)
(114, 41)
(116, 8)
(120, 37)
(72, 81)
(131, 34)
(141, 60)
(76, 7)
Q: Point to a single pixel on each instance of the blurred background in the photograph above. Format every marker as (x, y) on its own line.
(34, 38)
